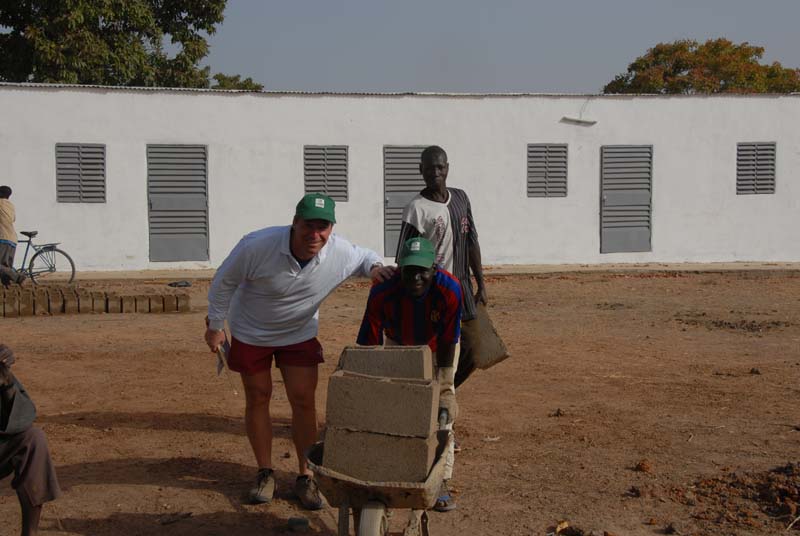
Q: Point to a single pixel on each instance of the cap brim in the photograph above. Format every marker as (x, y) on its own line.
(317, 215)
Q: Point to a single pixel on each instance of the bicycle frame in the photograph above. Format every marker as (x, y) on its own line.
(31, 246)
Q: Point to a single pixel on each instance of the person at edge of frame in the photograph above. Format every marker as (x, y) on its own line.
(8, 239)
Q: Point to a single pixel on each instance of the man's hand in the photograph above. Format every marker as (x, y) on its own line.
(381, 273)
(480, 295)
(447, 400)
(214, 338)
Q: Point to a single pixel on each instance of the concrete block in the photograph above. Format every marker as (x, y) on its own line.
(170, 303)
(156, 304)
(99, 304)
(389, 361)
(56, 301)
(379, 457)
(114, 303)
(71, 302)
(11, 305)
(41, 303)
(142, 304)
(84, 301)
(26, 303)
(184, 305)
(369, 404)
(128, 304)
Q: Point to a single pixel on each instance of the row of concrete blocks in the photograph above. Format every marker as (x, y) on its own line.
(381, 414)
(55, 301)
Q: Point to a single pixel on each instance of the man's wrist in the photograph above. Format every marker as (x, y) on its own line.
(216, 325)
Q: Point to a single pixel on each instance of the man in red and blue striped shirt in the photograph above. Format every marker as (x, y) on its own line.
(420, 305)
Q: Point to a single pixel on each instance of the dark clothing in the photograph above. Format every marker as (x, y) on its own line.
(465, 235)
(7, 272)
(24, 452)
(432, 319)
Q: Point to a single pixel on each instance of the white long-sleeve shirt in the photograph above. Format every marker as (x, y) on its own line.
(267, 298)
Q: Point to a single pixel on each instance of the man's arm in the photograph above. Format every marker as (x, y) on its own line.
(475, 264)
(367, 263)
(229, 276)
(371, 331)
(7, 393)
(17, 411)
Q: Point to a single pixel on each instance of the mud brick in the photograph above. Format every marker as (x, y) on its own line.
(11, 305)
(391, 361)
(128, 304)
(114, 303)
(99, 302)
(26, 303)
(371, 404)
(70, 302)
(184, 305)
(56, 299)
(41, 303)
(142, 304)
(170, 303)
(84, 301)
(379, 457)
(156, 304)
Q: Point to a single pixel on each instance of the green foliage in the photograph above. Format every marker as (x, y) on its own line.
(108, 42)
(716, 66)
(235, 82)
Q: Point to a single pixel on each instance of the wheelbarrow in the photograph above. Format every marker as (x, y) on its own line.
(370, 501)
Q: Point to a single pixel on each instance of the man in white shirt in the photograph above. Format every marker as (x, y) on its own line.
(269, 289)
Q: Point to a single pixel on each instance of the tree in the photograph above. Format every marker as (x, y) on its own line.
(716, 66)
(107, 42)
(235, 82)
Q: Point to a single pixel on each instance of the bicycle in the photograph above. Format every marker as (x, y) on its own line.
(47, 260)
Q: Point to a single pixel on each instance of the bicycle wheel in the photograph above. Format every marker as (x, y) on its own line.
(51, 264)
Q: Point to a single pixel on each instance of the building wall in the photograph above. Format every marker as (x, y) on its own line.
(255, 147)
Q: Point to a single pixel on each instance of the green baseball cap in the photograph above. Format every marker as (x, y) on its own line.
(316, 206)
(417, 252)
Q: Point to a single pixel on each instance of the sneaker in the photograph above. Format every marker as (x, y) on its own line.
(306, 490)
(445, 502)
(264, 489)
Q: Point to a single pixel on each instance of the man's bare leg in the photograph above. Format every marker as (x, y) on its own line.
(30, 516)
(301, 387)
(258, 392)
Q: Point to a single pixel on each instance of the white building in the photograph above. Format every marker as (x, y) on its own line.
(159, 178)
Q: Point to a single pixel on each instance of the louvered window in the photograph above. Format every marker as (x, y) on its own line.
(755, 168)
(547, 170)
(80, 173)
(325, 170)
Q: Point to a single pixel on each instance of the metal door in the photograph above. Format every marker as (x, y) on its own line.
(177, 195)
(625, 198)
(401, 182)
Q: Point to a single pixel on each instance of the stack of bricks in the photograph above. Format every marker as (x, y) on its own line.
(55, 300)
(381, 414)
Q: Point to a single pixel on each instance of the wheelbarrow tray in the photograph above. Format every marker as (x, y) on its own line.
(344, 491)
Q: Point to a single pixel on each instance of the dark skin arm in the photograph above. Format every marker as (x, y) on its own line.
(7, 392)
(445, 354)
(477, 270)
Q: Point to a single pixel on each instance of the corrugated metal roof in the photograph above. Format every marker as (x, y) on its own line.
(379, 93)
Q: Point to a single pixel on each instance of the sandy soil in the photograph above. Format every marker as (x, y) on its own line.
(634, 403)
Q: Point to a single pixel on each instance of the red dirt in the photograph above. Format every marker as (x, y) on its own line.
(607, 370)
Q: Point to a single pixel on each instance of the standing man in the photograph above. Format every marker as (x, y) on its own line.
(8, 240)
(444, 216)
(420, 306)
(269, 289)
(23, 448)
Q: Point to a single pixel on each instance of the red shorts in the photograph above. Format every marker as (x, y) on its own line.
(248, 359)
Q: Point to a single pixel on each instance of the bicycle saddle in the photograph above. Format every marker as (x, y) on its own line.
(29, 234)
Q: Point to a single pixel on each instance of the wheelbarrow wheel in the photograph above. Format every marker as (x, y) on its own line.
(374, 521)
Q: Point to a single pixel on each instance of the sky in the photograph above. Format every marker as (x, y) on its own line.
(472, 46)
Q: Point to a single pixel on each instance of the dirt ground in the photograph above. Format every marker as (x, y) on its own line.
(633, 403)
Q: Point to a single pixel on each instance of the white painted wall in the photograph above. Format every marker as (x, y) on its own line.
(255, 146)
